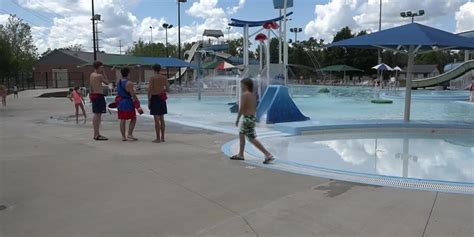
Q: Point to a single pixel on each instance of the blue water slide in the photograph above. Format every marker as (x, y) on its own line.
(278, 106)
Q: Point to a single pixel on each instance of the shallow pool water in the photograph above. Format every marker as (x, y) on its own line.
(439, 155)
(342, 103)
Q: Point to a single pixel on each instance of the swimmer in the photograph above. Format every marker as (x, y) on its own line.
(76, 97)
(247, 110)
(126, 99)
(157, 102)
(97, 98)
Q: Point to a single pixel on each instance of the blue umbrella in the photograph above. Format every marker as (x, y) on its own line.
(411, 39)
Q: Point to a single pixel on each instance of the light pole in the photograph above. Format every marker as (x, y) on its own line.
(93, 32)
(296, 30)
(179, 36)
(228, 33)
(379, 52)
(412, 14)
(151, 34)
(167, 26)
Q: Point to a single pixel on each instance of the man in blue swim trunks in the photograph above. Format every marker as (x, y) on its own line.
(97, 98)
(247, 110)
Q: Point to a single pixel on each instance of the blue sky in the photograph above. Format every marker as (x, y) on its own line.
(58, 23)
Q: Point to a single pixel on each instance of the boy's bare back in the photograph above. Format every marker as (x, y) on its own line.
(96, 80)
(248, 104)
(158, 84)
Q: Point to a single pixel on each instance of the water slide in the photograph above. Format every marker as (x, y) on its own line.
(448, 76)
(188, 59)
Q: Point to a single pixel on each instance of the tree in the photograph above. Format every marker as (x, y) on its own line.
(74, 47)
(22, 51)
(140, 48)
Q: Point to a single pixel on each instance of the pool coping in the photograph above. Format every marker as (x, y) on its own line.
(254, 158)
(298, 128)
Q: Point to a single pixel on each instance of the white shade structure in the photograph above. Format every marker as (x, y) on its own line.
(382, 67)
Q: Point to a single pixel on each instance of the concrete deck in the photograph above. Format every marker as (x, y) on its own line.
(56, 181)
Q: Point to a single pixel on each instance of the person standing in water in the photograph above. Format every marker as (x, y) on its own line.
(76, 97)
(127, 101)
(247, 110)
(15, 91)
(157, 102)
(97, 98)
(3, 94)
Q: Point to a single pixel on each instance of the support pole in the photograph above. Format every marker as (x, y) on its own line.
(199, 74)
(260, 53)
(285, 43)
(93, 32)
(280, 61)
(267, 56)
(411, 62)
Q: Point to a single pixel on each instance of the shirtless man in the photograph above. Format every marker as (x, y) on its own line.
(247, 110)
(97, 98)
(157, 102)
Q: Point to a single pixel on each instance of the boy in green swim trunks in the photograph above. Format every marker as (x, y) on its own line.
(247, 110)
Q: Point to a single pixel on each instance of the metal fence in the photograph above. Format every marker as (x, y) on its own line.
(42, 80)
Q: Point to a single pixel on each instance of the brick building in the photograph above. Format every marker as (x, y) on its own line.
(64, 68)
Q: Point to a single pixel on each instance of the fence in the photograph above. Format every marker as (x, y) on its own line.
(43, 80)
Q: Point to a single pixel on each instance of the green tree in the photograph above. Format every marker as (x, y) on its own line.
(18, 41)
(140, 48)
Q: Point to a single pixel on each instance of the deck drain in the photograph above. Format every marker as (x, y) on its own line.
(3, 207)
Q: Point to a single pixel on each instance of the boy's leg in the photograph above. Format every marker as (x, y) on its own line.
(260, 147)
(242, 145)
(131, 127)
(96, 124)
(122, 129)
(157, 128)
(162, 127)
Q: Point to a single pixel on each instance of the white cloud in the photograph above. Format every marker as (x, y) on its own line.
(234, 9)
(71, 23)
(364, 15)
(465, 17)
(4, 18)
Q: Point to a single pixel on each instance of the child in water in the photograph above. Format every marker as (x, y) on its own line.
(247, 110)
(76, 97)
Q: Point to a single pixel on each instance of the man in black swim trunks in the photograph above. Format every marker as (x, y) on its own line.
(157, 102)
(99, 106)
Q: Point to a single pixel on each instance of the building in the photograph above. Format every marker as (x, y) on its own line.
(65, 68)
(421, 71)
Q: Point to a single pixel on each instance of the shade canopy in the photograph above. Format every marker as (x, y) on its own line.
(411, 39)
(340, 68)
(382, 67)
(123, 60)
(399, 38)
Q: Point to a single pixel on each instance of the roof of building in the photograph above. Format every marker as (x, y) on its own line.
(340, 68)
(213, 33)
(419, 69)
(63, 57)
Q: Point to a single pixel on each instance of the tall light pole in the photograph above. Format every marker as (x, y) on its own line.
(379, 52)
(296, 30)
(412, 14)
(228, 33)
(151, 36)
(167, 26)
(93, 32)
(179, 36)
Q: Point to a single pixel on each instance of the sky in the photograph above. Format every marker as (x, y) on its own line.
(59, 23)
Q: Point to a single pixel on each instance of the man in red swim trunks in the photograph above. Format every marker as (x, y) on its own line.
(99, 106)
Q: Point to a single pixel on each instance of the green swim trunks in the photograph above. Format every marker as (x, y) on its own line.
(247, 127)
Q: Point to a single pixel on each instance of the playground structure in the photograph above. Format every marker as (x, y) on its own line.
(276, 102)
